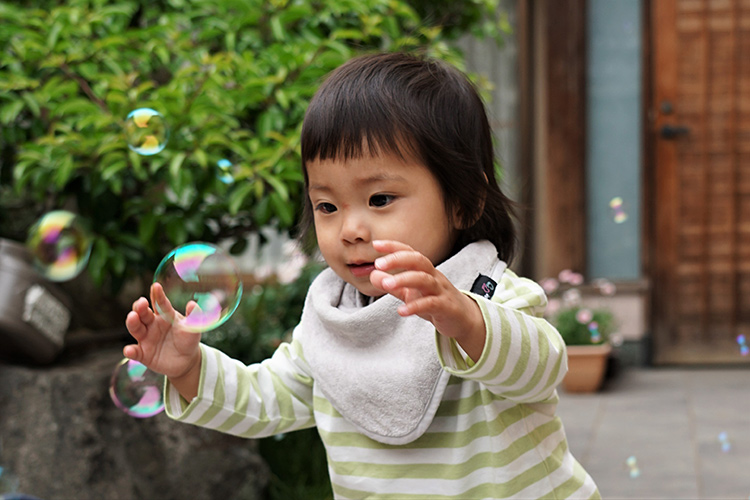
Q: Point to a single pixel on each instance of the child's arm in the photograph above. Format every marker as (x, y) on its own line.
(162, 345)
(250, 401)
(208, 388)
(427, 293)
(522, 356)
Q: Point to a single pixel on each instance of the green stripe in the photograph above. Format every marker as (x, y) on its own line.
(188, 409)
(217, 403)
(477, 461)
(536, 377)
(566, 489)
(242, 401)
(447, 408)
(433, 439)
(523, 358)
(507, 489)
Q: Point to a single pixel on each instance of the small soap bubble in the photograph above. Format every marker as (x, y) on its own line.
(8, 481)
(60, 245)
(632, 464)
(225, 173)
(744, 350)
(618, 212)
(204, 276)
(147, 131)
(136, 390)
(724, 441)
(596, 337)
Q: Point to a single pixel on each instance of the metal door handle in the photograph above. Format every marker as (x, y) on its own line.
(673, 131)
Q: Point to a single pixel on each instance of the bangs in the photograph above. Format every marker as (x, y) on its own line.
(358, 111)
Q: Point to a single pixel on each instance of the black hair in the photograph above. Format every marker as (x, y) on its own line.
(418, 108)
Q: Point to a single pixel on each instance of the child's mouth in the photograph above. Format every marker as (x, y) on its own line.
(362, 270)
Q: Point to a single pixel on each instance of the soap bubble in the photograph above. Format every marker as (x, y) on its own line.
(225, 173)
(8, 481)
(147, 131)
(206, 275)
(632, 464)
(136, 390)
(60, 245)
(619, 215)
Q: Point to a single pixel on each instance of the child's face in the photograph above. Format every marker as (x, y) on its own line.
(376, 198)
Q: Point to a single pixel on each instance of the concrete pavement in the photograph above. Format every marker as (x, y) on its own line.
(671, 421)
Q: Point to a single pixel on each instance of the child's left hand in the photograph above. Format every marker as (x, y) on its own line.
(410, 276)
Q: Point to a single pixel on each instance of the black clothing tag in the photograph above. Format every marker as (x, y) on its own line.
(484, 286)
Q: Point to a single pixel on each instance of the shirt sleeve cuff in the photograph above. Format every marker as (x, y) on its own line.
(179, 408)
(453, 358)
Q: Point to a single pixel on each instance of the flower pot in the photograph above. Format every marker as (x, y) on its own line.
(34, 313)
(587, 365)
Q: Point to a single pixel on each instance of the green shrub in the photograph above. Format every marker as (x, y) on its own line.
(231, 77)
(576, 332)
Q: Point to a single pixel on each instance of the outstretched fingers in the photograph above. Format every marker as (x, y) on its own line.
(161, 302)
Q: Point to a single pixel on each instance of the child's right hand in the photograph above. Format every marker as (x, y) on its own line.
(162, 346)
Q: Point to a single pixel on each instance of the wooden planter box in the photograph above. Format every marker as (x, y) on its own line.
(587, 365)
(34, 313)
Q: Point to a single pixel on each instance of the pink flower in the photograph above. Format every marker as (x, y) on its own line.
(584, 316)
(549, 285)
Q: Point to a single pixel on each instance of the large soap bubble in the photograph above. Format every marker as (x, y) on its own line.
(136, 390)
(60, 245)
(147, 131)
(202, 274)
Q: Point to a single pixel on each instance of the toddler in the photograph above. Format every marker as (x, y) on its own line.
(423, 361)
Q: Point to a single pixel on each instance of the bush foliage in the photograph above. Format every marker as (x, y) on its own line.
(233, 79)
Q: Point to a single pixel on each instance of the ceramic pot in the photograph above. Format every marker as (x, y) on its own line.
(587, 365)
(34, 313)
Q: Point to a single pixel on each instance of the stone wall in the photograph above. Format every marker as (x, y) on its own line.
(62, 436)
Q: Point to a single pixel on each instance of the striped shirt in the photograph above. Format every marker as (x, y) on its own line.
(495, 433)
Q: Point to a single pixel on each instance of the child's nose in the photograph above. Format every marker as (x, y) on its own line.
(355, 229)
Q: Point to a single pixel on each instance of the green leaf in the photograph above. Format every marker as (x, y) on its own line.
(176, 164)
(279, 186)
(237, 197)
(147, 228)
(10, 111)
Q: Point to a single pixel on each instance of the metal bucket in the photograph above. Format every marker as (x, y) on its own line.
(34, 313)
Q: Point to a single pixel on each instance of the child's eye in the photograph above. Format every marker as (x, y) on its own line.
(326, 208)
(381, 200)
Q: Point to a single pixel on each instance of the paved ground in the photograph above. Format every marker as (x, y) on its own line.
(671, 421)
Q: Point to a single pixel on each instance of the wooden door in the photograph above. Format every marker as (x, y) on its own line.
(700, 170)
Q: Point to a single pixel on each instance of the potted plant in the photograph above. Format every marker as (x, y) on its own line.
(586, 331)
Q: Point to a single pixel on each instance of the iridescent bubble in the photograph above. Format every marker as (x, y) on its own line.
(136, 390)
(8, 481)
(147, 131)
(744, 350)
(204, 276)
(225, 173)
(725, 444)
(632, 464)
(596, 337)
(616, 205)
(60, 245)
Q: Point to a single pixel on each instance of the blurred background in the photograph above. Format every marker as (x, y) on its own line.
(622, 129)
